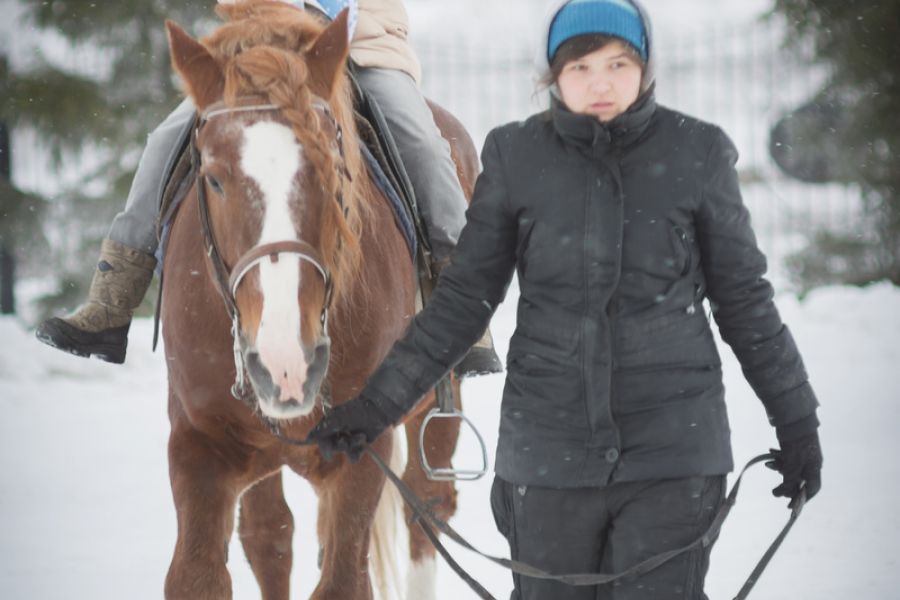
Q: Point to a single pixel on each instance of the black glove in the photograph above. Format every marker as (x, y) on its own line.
(800, 463)
(349, 427)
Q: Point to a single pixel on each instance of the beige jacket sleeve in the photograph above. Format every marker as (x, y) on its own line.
(381, 38)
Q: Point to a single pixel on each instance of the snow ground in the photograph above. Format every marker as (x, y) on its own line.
(85, 508)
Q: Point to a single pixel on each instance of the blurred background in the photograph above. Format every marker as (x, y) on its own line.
(808, 89)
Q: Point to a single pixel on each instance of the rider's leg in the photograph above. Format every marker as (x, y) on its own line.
(432, 172)
(100, 326)
(425, 154)
(135, 226)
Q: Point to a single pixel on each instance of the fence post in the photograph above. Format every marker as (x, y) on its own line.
(7, 259)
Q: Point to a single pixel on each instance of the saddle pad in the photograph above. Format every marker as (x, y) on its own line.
(401, 215)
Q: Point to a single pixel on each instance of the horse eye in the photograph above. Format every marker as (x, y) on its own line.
(213, 183)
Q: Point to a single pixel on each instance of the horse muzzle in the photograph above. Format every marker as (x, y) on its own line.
(287, 384)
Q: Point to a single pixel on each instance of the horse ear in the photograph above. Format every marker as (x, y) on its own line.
(328, 55)
(199, 71)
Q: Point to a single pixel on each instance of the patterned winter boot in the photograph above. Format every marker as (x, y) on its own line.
(100, 326)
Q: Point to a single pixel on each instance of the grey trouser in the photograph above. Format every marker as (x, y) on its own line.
(135, 226)
(424, 152)
(607, 530)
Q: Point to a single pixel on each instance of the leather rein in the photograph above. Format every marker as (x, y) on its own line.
(431, 524)
(228, 280)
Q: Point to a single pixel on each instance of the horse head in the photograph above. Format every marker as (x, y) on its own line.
(275, 188)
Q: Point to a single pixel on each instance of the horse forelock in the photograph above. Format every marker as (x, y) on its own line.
(262, 52)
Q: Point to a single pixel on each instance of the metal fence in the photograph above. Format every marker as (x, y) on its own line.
(735, 75)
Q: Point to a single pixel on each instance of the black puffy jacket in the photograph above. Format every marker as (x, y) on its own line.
(617, 232)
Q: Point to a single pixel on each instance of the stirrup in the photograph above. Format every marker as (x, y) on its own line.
(446, 410)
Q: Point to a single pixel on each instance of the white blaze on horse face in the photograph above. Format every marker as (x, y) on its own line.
(271, 156)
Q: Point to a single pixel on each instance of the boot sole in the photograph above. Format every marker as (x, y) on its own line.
(62, 336)
(479, 361)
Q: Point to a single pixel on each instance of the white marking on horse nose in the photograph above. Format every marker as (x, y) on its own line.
(272, 157)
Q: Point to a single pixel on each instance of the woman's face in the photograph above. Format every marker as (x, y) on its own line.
(603, 83)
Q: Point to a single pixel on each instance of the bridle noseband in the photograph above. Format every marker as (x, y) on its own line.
(227, 281)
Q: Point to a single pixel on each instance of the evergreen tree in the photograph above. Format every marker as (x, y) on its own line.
(108, 109)
(851, 133)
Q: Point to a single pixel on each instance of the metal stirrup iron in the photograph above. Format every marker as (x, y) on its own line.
(447, 410)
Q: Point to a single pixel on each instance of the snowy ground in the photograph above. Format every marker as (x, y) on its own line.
(85, 510)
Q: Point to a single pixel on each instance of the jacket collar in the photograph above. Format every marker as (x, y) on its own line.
(590, 134)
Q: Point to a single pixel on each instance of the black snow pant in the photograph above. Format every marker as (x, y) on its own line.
(607, 530)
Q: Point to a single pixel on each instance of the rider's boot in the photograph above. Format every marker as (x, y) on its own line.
(481, 359)
(100, 326)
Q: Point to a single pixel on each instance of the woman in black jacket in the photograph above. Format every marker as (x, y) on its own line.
(619, 217)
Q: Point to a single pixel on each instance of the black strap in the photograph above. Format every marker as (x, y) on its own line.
(175, 189)
(220, 271)
(764, 561)
(423, 513)
(426, 519)
(463, 574)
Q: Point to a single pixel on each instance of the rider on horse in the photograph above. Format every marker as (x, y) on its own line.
(389, 71)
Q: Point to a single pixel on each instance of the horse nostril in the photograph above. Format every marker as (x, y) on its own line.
(259, 375)
(322, 350)
(318, 366)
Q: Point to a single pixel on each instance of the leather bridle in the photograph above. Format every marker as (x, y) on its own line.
(228, 280)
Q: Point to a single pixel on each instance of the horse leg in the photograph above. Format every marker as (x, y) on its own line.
(348, 497)
(266, 528)
(440, 442)
(205, 490)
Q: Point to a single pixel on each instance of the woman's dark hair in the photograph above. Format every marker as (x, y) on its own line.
(582, 45)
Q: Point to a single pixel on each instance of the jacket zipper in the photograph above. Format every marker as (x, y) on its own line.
(613, 166)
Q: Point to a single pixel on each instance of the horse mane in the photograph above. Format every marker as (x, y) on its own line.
(261, 49)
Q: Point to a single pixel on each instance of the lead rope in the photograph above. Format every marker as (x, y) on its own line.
(764, 561)
(425, 518)
(423, 513)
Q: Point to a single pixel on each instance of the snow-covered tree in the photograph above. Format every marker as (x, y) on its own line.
(103, 96)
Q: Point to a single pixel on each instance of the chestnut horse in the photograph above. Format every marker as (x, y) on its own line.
(283, 263)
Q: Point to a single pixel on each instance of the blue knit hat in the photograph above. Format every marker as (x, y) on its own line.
(619, 18)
